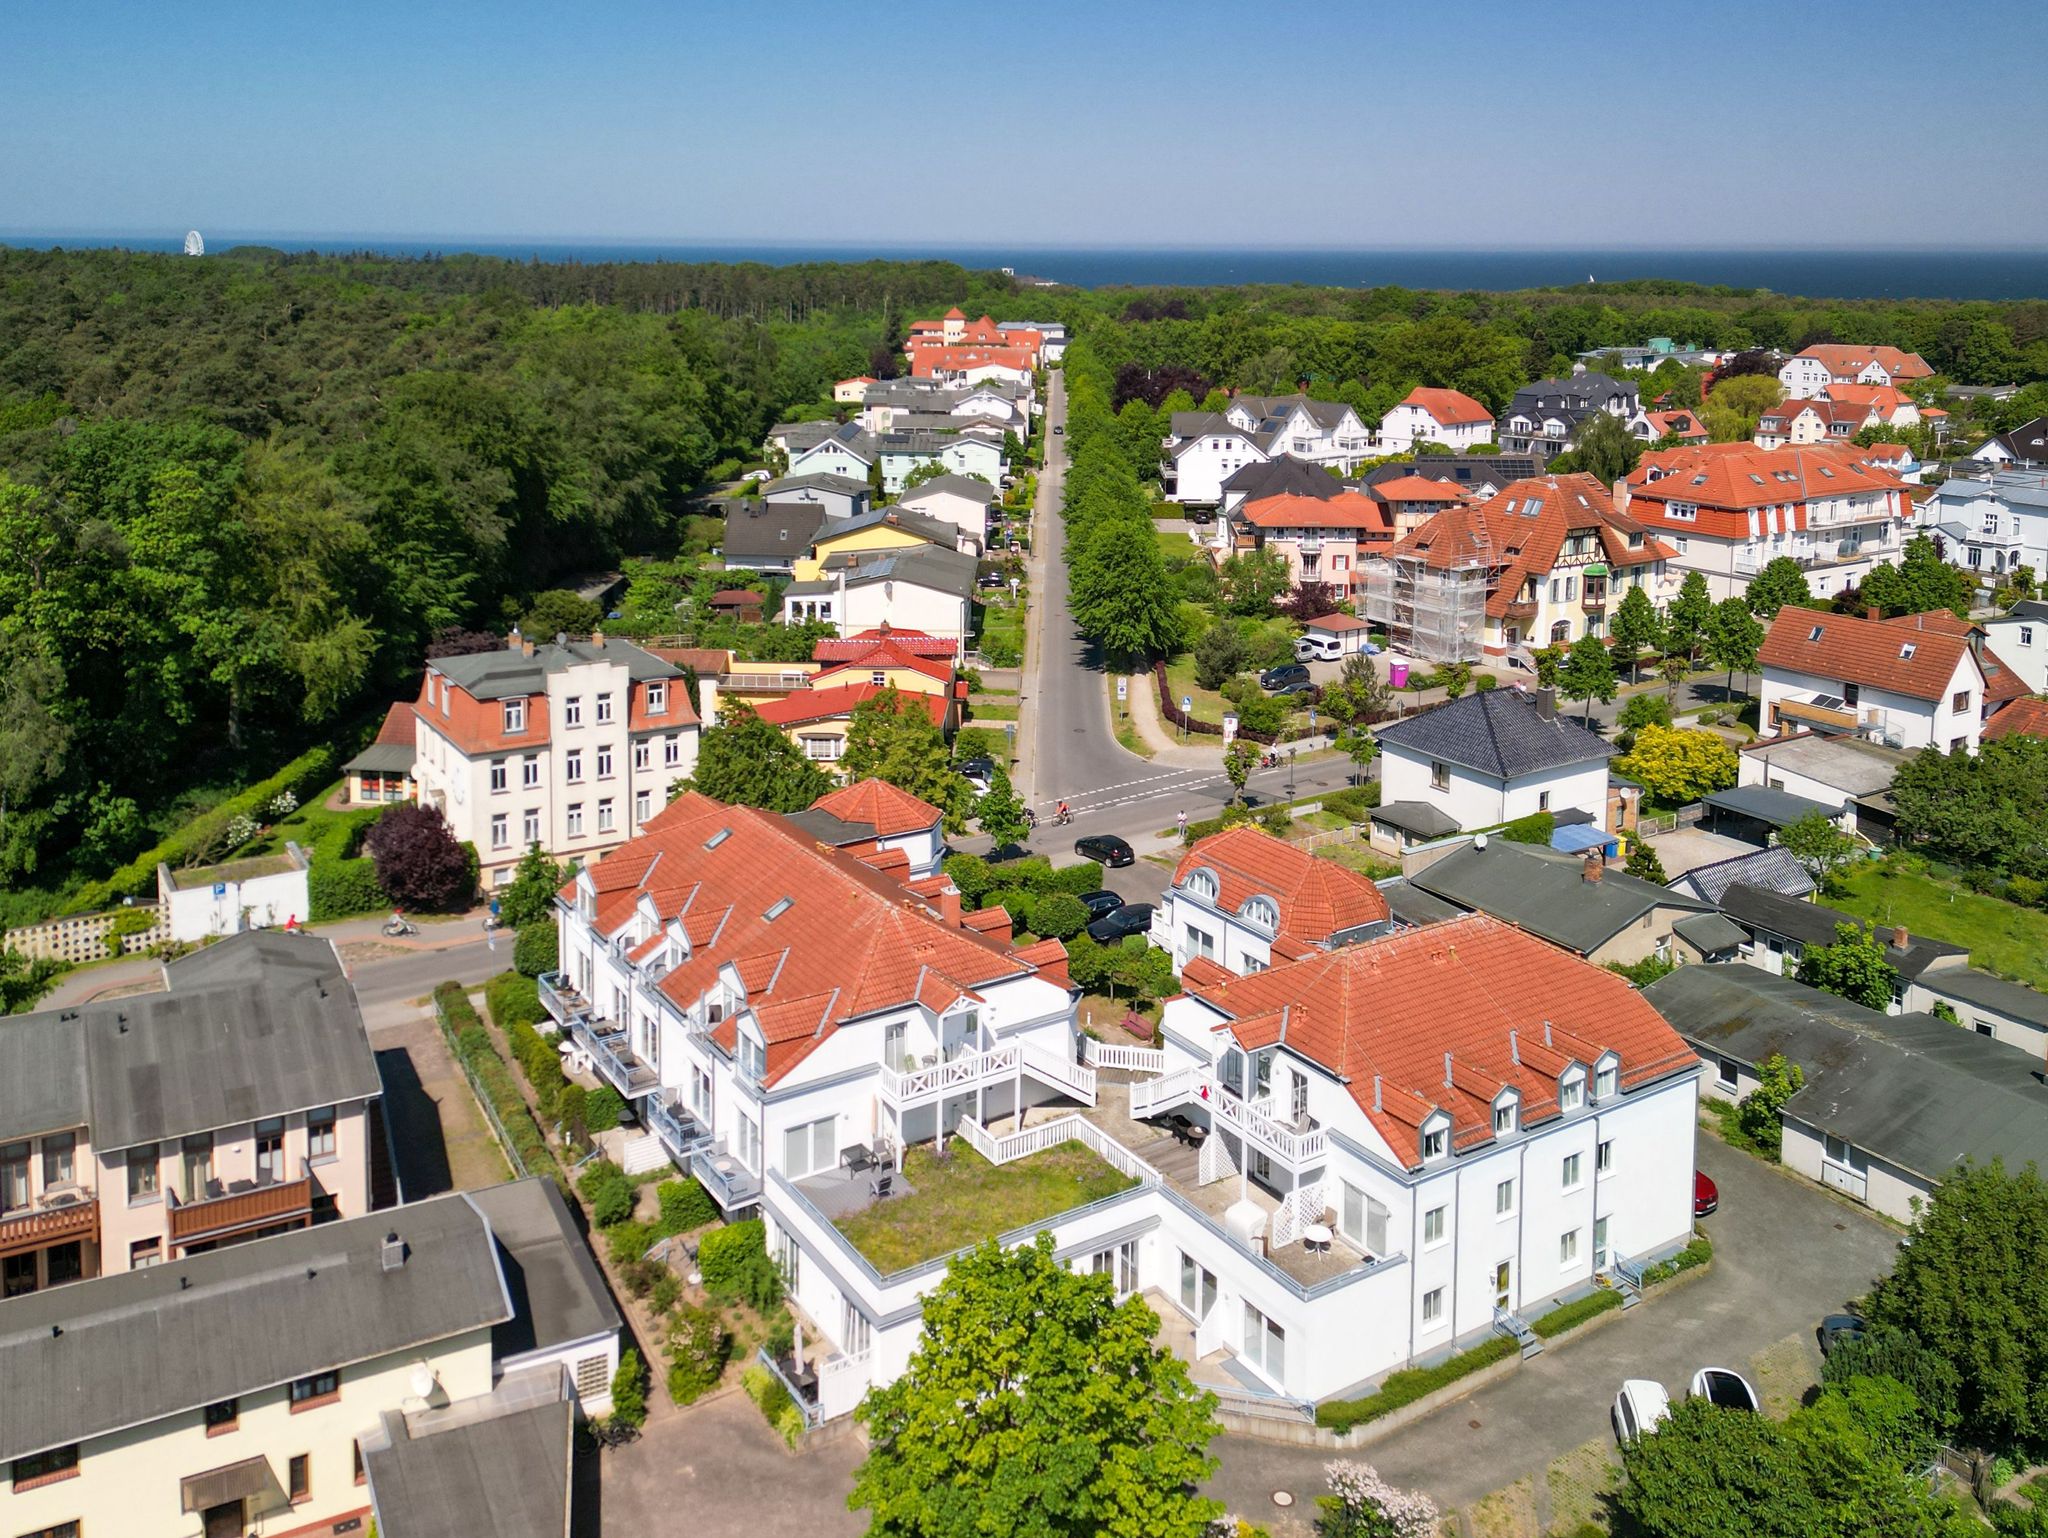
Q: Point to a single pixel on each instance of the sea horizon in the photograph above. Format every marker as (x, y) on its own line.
(1899, 273)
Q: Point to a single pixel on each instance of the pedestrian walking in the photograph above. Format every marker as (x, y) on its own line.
(1180, 822)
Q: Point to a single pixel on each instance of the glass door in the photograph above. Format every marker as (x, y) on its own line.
(1504, 1284)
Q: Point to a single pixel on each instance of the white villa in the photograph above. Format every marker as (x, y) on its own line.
(1377, 1153)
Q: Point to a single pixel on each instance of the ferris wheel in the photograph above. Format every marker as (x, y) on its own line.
(195, 243)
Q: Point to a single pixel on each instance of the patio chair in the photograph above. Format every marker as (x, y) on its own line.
(882, 1185)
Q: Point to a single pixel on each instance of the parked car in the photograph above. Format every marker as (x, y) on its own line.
(978, 772)
(1100, 904)
(755, 475)
(1286, 673)
(1706, 1196)
(1106, 847)
(1726, 1387)
(989, 580)
(1640, 1407)
(1130, 919)
(1837, 1328)
(1200, 515)
(1319, 648)
(1298, 686)
(1058, 428)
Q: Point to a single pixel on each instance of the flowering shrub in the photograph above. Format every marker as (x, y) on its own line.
(281, 806)
(1363, 1505)
(240, 829)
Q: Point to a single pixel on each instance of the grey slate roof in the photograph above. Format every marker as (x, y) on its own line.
(558, 1294)
(1458, 469)
(1498, 732)
(799, 436)
(1853, 767)
(1547, 893)
(1282, 477)
(1779, 808)
(778, 530)
(935, 531)
(259, 1024)
(506, 1476)
(1988, 992)
(1710, 932)
(384, 758)
(828, 829)
(136, 1346)
(791, 487)
(1417, 817)
(1757, 909)
(972, 487)
(1772, 869)
(1911, 1090)
(500, 674)
(943, 570)
(1411, 905)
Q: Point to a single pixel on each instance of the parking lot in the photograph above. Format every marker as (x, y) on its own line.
(1785, 1254)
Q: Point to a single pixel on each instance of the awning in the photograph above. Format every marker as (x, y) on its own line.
(250, 1479)
(1577, 837)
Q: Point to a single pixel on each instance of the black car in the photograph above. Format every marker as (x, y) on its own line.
(1280, 677)
(1106, 847)
(1130, 919)
(1100, 904)
(1059, 429)
(1837, 1328)
(1298, 686)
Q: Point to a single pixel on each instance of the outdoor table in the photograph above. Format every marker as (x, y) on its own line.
(1316, 1236)
(857, 1158)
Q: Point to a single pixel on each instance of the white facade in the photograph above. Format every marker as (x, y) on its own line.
(1843, 1167)
(1479, 800)
(1203, 464)
(1898, 720)
(966, 513)
(2021, 642)
(869, 604)
(1993, 523)
(1406, 425)
(1341, 443)
(829, 458)
(206, 904)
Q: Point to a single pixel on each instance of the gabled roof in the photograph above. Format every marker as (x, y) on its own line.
(943, 569)
(1472, 1001)
(1317, 899)
(393, 750)
(1451, 408)
(1730, 479)
(1273, 477)
(915, 642)
(1918, 661)
(1758, 908)
(972, 487)
(1848, 359)
(829, 704)
(780, 529)
(1348, 510)
(1498, 732)
(1416, 488)
(2023, 718)
(933, 531)
(1547, 893)
(1773, 869)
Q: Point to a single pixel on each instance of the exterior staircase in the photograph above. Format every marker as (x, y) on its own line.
(1512, 1324)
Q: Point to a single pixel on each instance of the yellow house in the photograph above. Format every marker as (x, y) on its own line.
(886, 528)
(813, 702)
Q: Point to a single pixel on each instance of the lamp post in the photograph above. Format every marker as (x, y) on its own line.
(1290, 771)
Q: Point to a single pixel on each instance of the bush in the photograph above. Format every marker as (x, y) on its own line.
(464, 1030)
(603, 1109)
(1077, 880)
(1536, 828)
(1058, 916)
(341, 889)
(1697, 1253)
(629, 1241)
(536, 950)
(1410, 1384)
(735, 1266)
(1484, 682)
(1355, 803)
(1567, 1316)
(666, 1292)
(971, 874)
(419, 861)
(684, 1205)
(513, 999)
(629, 1389)
(1276, 820)
(698, 1348)
(774, 1403)
(610, 1194)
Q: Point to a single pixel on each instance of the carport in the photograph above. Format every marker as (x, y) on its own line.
(1753, 813)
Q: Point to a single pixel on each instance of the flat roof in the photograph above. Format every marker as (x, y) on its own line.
(503, 1475)
(1779, 808)
(558, 1294)
(1986, 991)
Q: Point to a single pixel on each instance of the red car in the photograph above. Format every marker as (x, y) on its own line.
(1706, 1196)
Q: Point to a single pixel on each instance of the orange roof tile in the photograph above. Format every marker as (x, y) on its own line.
(400, 725)
(2022, 718)
(1872, 653)
(1848, 359)
(1316, 898)
(1724, 481)
(808, 705)
(1347, 510)
(1451, 408)
(886, 808)
(1495, 1004)
(1416, 488)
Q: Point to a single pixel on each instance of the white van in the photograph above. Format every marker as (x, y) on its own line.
(1319, 648)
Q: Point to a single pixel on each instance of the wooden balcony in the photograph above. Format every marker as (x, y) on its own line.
(1520, 609)
(235, 1211)
(40, 1227)
(1817, 717)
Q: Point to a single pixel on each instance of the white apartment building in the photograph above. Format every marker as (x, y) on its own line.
(1993, 522)
(780, 1019)
(1203, 449)
(571, 745)
(1242, 900)
(1913, 682)
(1825, 363)
(1425, 415)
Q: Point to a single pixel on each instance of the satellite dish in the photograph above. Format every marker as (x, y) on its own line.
(195, 243)
(424, 1382)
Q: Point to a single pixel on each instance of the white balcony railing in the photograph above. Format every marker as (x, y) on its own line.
(1109, 1054)
(1296, 1146)
(904, 1087)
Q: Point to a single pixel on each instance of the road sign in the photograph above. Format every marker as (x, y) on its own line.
(1187, 703)
(1123, 690)
(1229, 728)
(220, 889)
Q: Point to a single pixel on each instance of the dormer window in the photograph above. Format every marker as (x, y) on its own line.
(1606, 1077)
(753, 1059)
(657, 698)
(1436, 1139)
(1262, 912)
(1202, 883)
(515, 717)
(1504, 1115)
(1571, 1091)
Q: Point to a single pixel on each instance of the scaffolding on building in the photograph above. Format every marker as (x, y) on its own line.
(1430, 614)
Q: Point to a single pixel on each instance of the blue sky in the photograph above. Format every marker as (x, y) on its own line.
(1353, 122)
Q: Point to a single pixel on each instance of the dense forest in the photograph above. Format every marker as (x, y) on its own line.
(239, 494)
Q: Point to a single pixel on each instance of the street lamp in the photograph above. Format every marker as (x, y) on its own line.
(1290, 771)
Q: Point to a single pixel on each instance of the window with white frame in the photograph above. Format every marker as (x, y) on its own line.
(1569, 1173)
(1504, 1117)
(1439, 776)
(604, 708)
(1433, 1306)
(753, 1058)
(1362, 1220)
(1571, 1093)
(572, 821)
(1433, 1225)
(604, 763)
(605, 818)
(515, 717)
(1265, 1344)
(572, 766)
(1434, 1141)
(501, 831)
(643, 756)
(529, 773)
(1603, 1158)
(671, 751)
(500, 780)
(750, 1143)
(643, 806)
(1605, 1080)
(1262, 912)
(1120, 1265)
(1504, 1198)
(1202, 884)
(572, 710)
(529, 827)
(1726, 1072)
(657, 697)
(1568, 1247)
(809, 1148)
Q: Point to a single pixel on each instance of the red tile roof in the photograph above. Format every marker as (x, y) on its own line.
(400, 725)
(1347, 510)
(1680, 424)
(1871, 653)
(887, 654)
(1492, 1003)
(827, 704)
(1415, 488)
(887, 808)
(1316, 898)
(1338, 623)
(849, 942)
(916, 642)
(1724, 481)
(1846, 360)
(698, 659)
(1451, 408)
(2022, 718)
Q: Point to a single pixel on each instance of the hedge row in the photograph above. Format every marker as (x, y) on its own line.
(1569, 1316)
(311, 771)
(1697, 1253)
(1410, 1384)
(472, 1045)
(1354, 803)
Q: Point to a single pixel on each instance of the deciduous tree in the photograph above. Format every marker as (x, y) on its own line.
(1636, 628)
(1239, 759)
(1587, 674)
(1782, 581)
(1676, 765)
(1035, 1403)
(1778, 1080)
(1220, 655)
(1687, 615)
(1733, 636)
(893, 737)
(1854, 967)
(1000, 810)
(745, 760)
(1818, 843)
(419, 863)
(529, 897)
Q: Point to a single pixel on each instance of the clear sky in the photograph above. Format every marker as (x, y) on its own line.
(1362, 123)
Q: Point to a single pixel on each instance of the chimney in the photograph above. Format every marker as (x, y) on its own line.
(1873, 612)
(1546, 704)
(515, 641)
(1594, 869)
(1900, 939)
(391, 1254)
(949, 905)
(597, 639)
(525, 647)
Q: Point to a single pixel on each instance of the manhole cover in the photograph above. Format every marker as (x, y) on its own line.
(1473, 1424)
(1283, 1498)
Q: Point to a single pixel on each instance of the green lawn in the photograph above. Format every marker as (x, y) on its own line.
(1359, 857)
(315, 828)
(1175, 543)
(1180, 677)
(2003, 937)
(963, 1199)
(982, 708)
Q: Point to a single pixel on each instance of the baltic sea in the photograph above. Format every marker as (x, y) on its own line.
(1851, 274)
